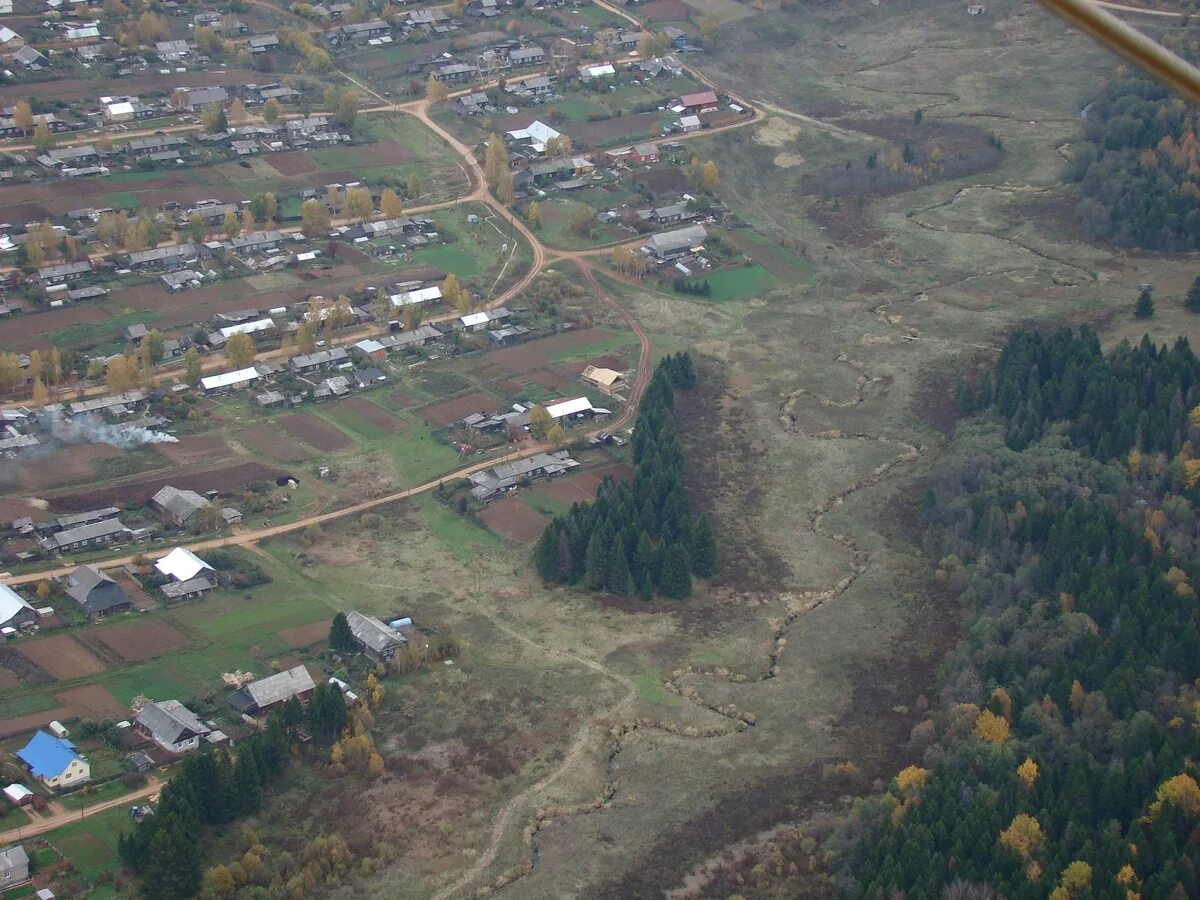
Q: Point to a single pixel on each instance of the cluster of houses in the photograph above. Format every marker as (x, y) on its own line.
(15, 53)
(24, 428)
(334, 373)
(84, 160)
(174, 508)
(179, 575)
(124, 111)
(499, 480)
(190, 263)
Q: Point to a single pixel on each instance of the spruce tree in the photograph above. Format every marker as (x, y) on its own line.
(564, 564)
(596, 570)
(1145, 306)
(675, 581)
(703, 549)
(341, 638)
(545, 556)
(619, 582)
(247, 785)
(1192, 301)
(645, 587)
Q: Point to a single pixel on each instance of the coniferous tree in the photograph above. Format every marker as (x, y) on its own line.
(675, 581)
(597, 559)
(618, 573)
(645, 587)
(703, 549)
(1145, 306)
(1191, 301)
(341, 638)
(636, 522)
(545, 555)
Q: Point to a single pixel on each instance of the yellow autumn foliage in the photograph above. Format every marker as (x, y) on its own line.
(1191, 473)
(991, 727)
(1028, 772)
(911, 780)
(1181, 792)
(1075, 878)
(1024, 835)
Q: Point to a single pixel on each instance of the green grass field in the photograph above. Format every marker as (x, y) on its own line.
(91, 843)
(650, 685)
(739, 283)
(463, 537)
(101, 794)
(360, 425)
(85, 332)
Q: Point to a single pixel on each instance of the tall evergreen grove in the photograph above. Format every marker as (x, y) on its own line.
(637, 539)
(211, 788)
(1063, 760)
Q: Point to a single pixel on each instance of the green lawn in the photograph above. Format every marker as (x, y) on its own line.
(84, 332)
(464, 538)
(23, 705)
(739, 283)
(91, 843)
(596, 348)
(104, 792)
(347, 418)
(457, 258)
(419, 456)
(544, 503)
(652, 689)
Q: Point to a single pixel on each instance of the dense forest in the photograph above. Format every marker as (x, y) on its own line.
(1138, 164)
(1062, 757)
(637, 539)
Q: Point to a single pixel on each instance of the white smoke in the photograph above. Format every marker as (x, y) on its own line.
(89, 428)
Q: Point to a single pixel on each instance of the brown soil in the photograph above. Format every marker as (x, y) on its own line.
(513, 519)
(18, 328)
(372, 412)
(535, 354)
(268, 440)
(624, 129)
(15, 508)
(315, 431)
(225, 479)
(67, 465)
(196, 448)
(583, 486)
(454, 410)
(141, 639)
(666, 10)
(670, 180)
(92, 701)
(305, 635)
(296, 162)
(85, 88)
(62, 656)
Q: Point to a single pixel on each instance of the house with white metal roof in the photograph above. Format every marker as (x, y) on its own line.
(15, 611)
(182, 565)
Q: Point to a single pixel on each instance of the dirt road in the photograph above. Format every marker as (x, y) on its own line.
(68, 816)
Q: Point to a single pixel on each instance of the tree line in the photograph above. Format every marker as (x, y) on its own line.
(1062, 762)
(1139, 396)
(637, 539)
(213, 788)
(1137, 165)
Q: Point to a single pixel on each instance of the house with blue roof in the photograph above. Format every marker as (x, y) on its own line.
(54, 761)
